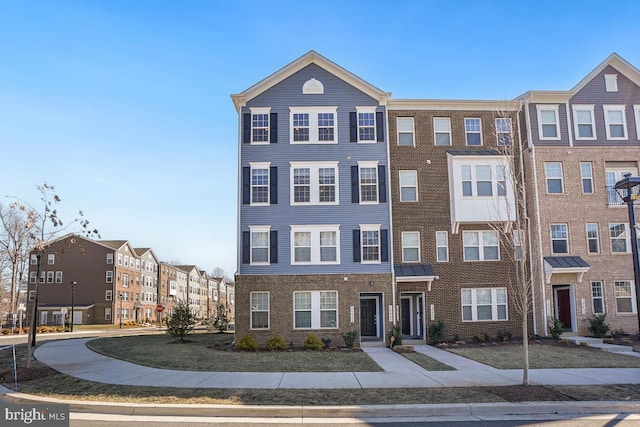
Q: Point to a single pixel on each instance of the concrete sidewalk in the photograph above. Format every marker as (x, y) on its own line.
(72, 357)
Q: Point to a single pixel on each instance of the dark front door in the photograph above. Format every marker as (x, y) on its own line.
(564, 307)
(406, 317)
(368, 317)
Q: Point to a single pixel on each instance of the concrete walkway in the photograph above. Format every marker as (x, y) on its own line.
(72, 357)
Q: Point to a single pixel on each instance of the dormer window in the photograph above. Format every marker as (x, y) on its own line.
(313, 87)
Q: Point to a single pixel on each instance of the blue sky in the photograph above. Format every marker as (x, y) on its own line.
(124, 106)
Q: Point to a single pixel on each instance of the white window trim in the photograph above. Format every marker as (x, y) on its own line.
(259, 229)
(604, 308)
(546, 178)
(314, 182)
(251, 311)
(611, 82)
(107, 313)
(466, 132)
(597, 237)
(435, 132)
(499, 132)
(315, 243)
(315, 310)
(413, 130)
(375, 130)
(260, 110)
(58, 278)
(370, 227)
(108, 295)
(446, 246)
(552, 239)
(481, 246)
(51, 259)
(622, 108)
(364, 165)
(313, 124)
(627, 238)
(545, 107)
(109, 258)
(415, 173)
(582, 178)
(109, 277)
(410, 247)
(636, 112)
(255, 166)
(634, 307)
(590, 109)
(494, 305)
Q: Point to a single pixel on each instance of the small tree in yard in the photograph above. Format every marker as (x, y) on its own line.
(221, 321)
(181, 322)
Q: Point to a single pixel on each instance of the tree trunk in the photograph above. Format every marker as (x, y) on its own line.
(31, 342)
(525, 346)
(14, 282)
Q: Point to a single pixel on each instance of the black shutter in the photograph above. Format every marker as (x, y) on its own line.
(246, 247)
(273, 247)
(273, 185)
(246, 128)
(380, 126)
(355, 187)
(273, 128)
(382, 185)
(384, 245)
(353, 127)
(356, 245)
(246, 185)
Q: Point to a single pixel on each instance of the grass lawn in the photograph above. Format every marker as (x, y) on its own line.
(205, 352)
(545, 355)
(426, 362)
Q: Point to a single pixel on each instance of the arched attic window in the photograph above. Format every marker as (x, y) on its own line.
(313, 87)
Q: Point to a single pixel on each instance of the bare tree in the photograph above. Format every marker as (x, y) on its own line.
(217, 272)
(43, 226)
(515, 234)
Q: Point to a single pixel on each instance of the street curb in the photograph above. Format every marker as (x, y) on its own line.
(346, 411)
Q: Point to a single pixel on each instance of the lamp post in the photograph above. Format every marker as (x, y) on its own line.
(73, 292)
(626, 186)
(121, 297)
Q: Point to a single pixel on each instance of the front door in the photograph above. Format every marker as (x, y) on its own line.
(368, 318)
(405, 312)
(563, 306)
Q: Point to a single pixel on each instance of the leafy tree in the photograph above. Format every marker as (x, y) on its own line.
(221, 321)
(182, 321)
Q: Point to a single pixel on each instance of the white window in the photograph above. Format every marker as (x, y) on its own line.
(32, 277)
(485, 178)
(368, 179)
(260, 125)
(126, 261)
(611, 82)
(548, 123)
(473, 131)
(518, 244)
(259, 303)
(109, 258)
(32, 295)
(313, 125)
(370, 244)
(442, 246)
(480, 245)
(636, 112)
(559, 239)
(442, 130)
(625, 296)
(51, 259)
(107, 313)
(260, 244)
(586, 173)
(553, 172)
(58, 276)
(315, 244)
(109, 277)
(614, 175)
(409, 186)
(314, 183)
(366, 124)
(108, 295)
(503, 131)
(593, 241)
(50, 276)
(119, 259)
(34, 259)
(315, 310)
(259, 183)
(615, 121)
(584, 122)
(410, 246)
(484, 304)
(620, 238)
(43, 275)
(597, 297)
(405, 131)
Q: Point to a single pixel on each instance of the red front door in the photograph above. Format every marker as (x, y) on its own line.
(563, 302)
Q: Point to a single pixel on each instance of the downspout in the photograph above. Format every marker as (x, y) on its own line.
(391, 257)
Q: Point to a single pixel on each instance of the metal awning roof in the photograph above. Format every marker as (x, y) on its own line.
(565, 265)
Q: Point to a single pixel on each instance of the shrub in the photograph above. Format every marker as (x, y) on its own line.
(503, 336)
(598, 326)
(618, 333)
(276, 342)
(247, 343)
(436, 331)
(221, 320)
(396, 333)
(326, 341)
(350, 338)
(181, 322)
(312, 342)
(556, 327)
(5, 331)
(481, 337)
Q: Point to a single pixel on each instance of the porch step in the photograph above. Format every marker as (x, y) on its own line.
(598, 343)
(579, 340)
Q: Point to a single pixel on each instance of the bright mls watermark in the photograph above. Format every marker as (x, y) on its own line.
(35, 415)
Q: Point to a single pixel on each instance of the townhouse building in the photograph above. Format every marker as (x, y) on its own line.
(147, 264)
(193, 287)
(168, 289)
(314, 219)
(580, 143)
(453, 205)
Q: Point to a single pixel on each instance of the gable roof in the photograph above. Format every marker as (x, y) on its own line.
(311, 57)
(113, 244)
